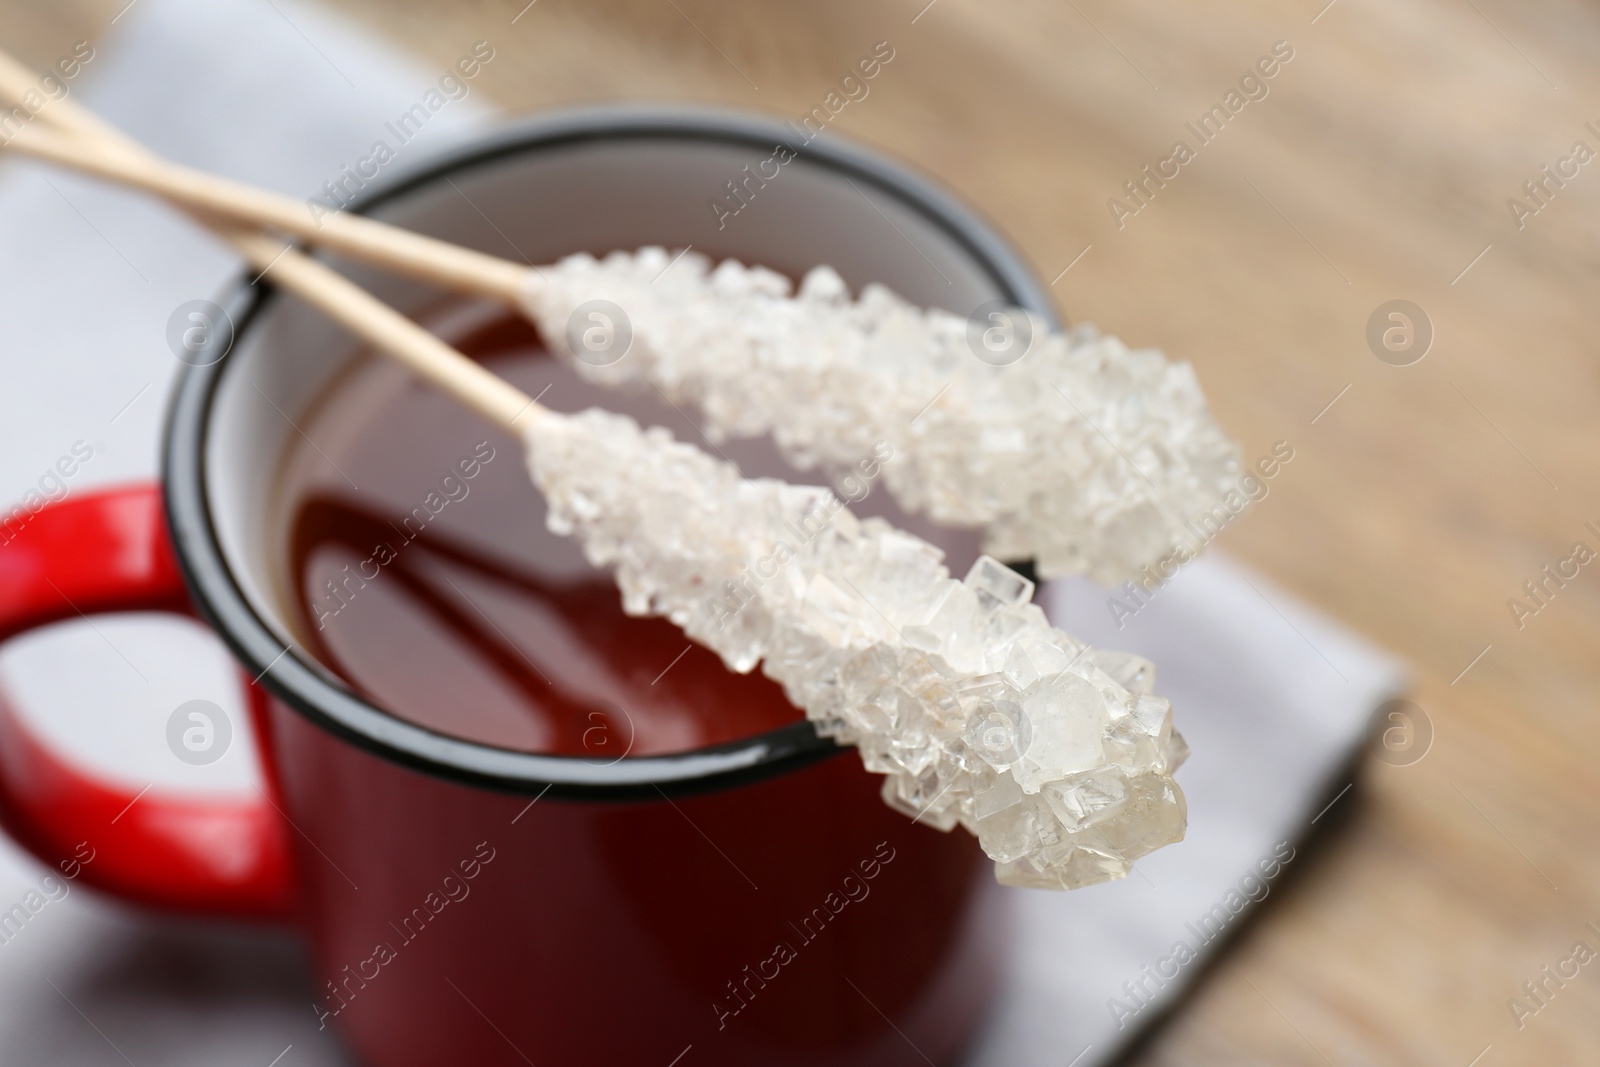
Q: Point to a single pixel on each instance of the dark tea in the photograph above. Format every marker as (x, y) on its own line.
(420, 572)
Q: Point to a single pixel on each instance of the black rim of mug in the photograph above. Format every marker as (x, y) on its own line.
(345, 713)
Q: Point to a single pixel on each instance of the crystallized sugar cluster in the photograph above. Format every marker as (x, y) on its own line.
(1069, 449)
(1055, 755)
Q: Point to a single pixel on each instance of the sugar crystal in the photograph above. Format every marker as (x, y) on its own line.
(1056, 756)
(1082, 455)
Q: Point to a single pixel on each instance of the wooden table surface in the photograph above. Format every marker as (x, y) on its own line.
(1379, 166)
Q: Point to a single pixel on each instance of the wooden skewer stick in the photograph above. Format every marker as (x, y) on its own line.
(16, 81)
(322, 287)
(388, 247)
(389, 331)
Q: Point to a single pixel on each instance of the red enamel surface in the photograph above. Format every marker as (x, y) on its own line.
(109, 552)
(452, 924)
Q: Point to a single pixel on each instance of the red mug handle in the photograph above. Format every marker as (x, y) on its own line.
(105, 552)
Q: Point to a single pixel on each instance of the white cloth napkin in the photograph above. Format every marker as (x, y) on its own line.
(1273, 698)
(282, 94)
